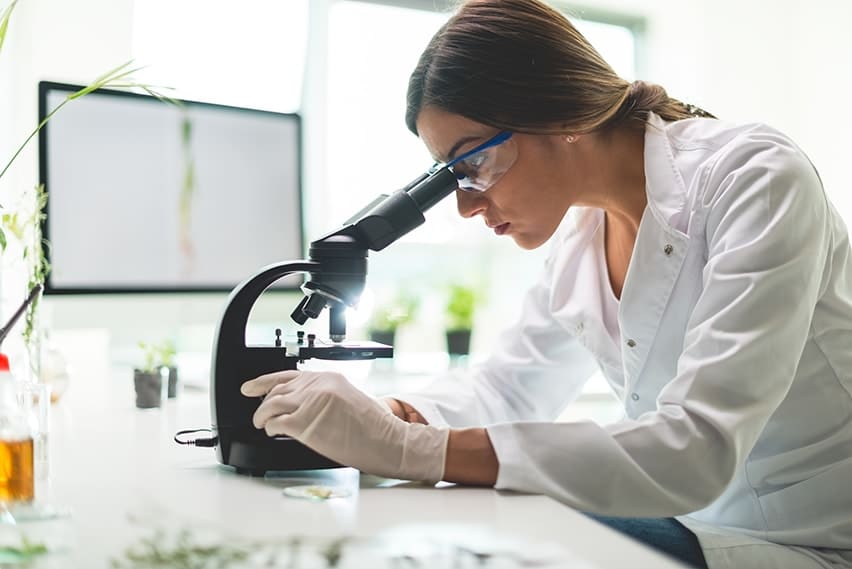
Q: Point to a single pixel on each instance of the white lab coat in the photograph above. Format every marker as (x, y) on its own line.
(734, 366)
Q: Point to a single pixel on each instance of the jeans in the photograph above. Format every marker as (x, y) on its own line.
(666, 535)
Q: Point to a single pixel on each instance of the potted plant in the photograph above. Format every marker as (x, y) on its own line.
(158, 364)
(459, 311)
(391, 315)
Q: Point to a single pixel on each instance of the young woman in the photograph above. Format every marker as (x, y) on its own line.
(697, 263)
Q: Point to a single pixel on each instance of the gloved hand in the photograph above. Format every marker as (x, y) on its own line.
(325, 412)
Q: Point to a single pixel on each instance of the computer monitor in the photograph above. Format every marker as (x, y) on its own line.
(149, 196)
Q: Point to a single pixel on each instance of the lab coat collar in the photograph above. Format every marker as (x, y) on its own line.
(664, 184)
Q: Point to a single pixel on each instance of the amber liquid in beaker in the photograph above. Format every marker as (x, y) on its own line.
(16, 471)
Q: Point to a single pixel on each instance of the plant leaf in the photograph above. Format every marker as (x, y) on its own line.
(4, 21)
(110, 76)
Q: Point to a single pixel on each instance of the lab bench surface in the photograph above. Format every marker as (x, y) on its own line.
(118, 472)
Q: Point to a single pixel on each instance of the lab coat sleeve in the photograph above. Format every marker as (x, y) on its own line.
(767, 242)
(536, 369)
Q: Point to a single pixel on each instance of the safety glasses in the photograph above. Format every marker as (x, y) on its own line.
(481, 167)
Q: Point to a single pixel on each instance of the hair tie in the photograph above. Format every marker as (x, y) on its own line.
(634, 87)
(631, 99)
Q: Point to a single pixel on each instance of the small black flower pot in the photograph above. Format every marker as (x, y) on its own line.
(149, 388)
(458, 342)
(383, 336)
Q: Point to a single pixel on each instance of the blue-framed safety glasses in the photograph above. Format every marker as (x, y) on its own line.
(481, 167)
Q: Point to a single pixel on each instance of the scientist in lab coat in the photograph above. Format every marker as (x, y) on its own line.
(696, 263)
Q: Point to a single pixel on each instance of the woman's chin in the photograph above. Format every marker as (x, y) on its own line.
(528, 241)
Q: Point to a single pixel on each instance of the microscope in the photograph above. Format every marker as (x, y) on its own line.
(337, 269)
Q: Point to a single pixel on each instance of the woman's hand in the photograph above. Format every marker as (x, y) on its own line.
(330, 415)
(404, 411)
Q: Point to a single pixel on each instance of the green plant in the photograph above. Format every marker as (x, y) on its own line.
(191, 549)
(21, 555)
(461, 306)
(390, 315)
(188, 551)
(120, 77)
(4, 21)
(157, 355)
(187, 189)
(25, 225)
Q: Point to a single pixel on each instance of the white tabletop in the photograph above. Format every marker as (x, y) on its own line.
(118, 472)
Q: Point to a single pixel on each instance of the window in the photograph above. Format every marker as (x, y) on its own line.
(616, 43)
(372, 50)
(250, 54)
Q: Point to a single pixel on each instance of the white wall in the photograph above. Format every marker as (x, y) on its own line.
(61, 41)
(788, 63)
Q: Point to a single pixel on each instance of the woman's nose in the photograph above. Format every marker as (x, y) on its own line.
(470, 203)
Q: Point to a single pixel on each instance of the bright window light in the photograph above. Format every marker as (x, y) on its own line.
(616, 44)
(248, 54)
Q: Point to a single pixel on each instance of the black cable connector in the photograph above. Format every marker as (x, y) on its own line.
(208, 442)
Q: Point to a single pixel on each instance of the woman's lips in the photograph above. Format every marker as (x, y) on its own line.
(502, 228)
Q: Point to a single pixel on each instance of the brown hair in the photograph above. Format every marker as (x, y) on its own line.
(520, 65)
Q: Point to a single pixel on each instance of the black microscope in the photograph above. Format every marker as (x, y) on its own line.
(337, 268)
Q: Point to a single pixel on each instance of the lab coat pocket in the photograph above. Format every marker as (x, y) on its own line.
(729, 549)
(796, 513)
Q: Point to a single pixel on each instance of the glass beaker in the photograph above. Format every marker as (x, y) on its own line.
(35, 399)
(17, 463)
(25, 460)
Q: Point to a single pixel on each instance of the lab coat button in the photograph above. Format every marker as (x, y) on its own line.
(579, 327)
(668, 249)
(634, 396)
(631, 344)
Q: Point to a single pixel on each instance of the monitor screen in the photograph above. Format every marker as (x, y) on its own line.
(145, 195)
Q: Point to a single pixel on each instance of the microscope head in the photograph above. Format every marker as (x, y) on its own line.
(337, 281)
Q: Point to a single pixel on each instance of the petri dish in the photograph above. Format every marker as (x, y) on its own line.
(316, 492)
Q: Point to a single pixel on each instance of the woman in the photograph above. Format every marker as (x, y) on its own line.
(696, 263)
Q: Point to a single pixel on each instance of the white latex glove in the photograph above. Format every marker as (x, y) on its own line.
(325, 412)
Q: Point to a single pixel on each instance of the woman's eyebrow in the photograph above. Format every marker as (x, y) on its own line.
(452, 153)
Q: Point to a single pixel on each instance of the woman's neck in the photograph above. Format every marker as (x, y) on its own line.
(613, 170)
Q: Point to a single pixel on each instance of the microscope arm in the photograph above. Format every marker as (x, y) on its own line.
(232, 327)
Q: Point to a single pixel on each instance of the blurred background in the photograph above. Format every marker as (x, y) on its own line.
(343, 66)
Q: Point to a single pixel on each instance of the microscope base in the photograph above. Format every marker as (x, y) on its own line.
(257, 456)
